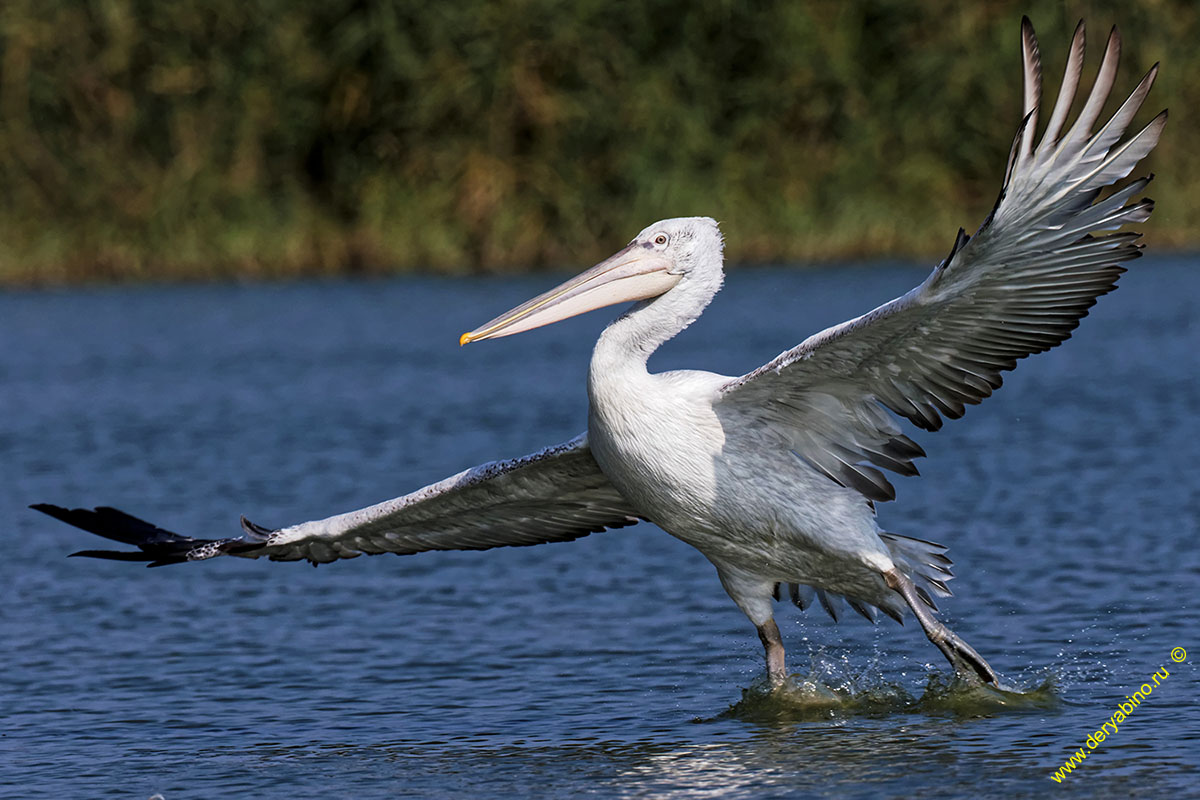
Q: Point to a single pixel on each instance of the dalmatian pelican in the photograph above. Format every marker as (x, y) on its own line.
(774, 475)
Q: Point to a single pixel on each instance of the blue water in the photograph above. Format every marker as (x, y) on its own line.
(613, 666)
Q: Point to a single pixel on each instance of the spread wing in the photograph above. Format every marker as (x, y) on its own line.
(1018, 287)
(556, 495)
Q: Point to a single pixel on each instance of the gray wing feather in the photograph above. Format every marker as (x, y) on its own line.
(1018, 287)
(556, 495)
(1066, 93)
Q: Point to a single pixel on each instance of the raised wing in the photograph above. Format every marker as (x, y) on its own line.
(556, 495)
(1018, 287)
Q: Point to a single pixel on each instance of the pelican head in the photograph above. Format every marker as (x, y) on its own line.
(658, 259)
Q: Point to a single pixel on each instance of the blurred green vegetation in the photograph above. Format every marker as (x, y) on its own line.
(212, 138)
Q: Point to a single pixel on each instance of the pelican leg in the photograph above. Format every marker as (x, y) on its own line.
(768, 634)
(966, 662)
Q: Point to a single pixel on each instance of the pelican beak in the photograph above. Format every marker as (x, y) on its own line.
(635, 273)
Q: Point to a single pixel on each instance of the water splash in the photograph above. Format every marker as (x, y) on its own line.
(823, 695)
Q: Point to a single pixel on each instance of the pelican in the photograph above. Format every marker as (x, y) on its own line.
(773, 475)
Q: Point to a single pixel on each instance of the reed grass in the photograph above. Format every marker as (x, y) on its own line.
(266, 138)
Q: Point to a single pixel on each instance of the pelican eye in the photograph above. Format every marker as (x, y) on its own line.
(661, 240)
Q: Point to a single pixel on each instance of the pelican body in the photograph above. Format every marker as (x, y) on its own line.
(774, 475)
(725, 482)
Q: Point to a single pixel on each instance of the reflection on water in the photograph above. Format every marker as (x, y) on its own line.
(613, 666)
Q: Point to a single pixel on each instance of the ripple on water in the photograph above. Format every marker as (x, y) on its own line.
(579, 669)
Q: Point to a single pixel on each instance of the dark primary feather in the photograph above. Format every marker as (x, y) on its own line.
(155, 545)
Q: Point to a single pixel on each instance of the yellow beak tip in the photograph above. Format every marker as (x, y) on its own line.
(464, 339)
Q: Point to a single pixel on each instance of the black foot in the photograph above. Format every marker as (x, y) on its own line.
(967, 663)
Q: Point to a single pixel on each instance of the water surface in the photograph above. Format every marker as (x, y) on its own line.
(613, 666)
